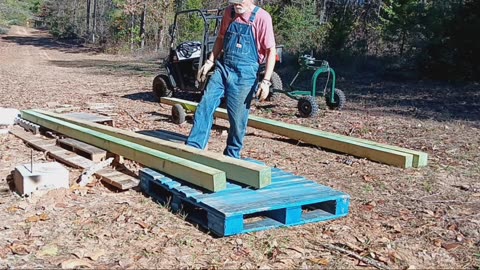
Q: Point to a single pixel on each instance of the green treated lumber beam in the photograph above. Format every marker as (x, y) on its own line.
(251, 174)
(327, 140)
(195, 173)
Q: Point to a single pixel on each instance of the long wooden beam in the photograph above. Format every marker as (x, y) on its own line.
(383, 153)
(195, 173)
(248, 173)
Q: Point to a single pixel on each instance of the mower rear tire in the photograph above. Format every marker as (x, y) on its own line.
(178, 114)
(277, 85)
(339, 99)
(160, 87)
(307, 106)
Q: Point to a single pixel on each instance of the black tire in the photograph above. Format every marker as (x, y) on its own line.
(277, 84)
(160, 87)
(307, 106)
(339, 99)
(178, 114)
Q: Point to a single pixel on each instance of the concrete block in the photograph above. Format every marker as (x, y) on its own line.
(7, 116)
(45, 176)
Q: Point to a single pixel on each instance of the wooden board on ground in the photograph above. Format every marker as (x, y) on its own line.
(94, 153)
(383, 153)
(192, 172)
(100, 119)
(241, 171)
(113, 177)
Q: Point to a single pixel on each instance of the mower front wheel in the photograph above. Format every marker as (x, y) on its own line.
(178, 114)
(339, 99)
(307, 106)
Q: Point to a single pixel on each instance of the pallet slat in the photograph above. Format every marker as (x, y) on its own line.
(96, 154)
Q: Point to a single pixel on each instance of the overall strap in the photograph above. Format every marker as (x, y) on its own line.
(253, 15)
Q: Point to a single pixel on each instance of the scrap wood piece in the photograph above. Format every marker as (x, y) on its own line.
(354, 255)
(115, 178)
(246, 172)
(192, 172)
(327, 140)
(85, 177)
(92, 118)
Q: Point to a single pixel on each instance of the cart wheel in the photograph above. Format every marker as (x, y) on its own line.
(339, 99)
(277, 84)
(178, 114)
(307, 106)
(160, 87)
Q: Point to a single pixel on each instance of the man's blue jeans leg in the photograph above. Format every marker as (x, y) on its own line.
(203, 120)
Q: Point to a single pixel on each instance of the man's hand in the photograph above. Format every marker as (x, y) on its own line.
(202, 72)
(263, 90)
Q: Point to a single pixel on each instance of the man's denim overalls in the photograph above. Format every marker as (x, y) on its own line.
(235, 78)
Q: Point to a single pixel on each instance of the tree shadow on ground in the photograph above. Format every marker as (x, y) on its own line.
(106, 67)
(439, 101)
(377, 89)
(144, 96)
(43, 40)
(111, 67)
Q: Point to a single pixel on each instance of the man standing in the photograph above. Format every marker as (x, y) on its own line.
(244, 41)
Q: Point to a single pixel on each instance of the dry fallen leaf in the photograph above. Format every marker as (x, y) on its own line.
(75, 263)
(4, 251)
(95, 254)
(13, 209)
(19, 249)
(32, 219)
(319, 261)
(142, 224)
(368, 178)
(43, 217)
(50, 250)
(450, 246)
(437, 242)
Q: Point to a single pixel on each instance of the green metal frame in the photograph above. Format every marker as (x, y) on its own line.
(319, 66)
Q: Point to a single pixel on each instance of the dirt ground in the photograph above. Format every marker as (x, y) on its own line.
(399, 218)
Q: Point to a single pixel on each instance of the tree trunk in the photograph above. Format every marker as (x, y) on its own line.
(88, 17)
(94, 32)
(132, 31)
(142, 24)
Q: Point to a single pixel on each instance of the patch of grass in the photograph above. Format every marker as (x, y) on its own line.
(427, 185)
(368, 188)
(3, 30)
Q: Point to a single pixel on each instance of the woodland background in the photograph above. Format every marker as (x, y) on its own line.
(413, 38)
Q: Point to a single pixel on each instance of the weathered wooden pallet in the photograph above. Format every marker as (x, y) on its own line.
(113, 177)
(289, 201)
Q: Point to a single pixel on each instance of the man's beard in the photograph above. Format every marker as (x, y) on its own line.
(240, 10)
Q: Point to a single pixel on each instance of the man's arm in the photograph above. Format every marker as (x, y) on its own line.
(217, 48)
(270, 63)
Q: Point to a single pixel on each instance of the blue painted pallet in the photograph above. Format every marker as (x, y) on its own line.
(289, 201)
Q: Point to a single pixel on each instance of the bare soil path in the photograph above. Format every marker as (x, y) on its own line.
(401, 218)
